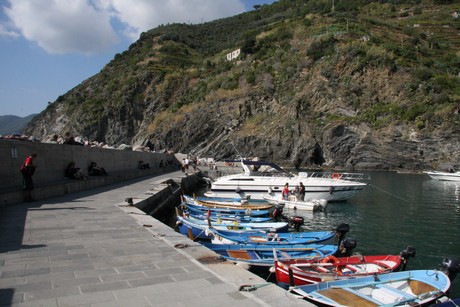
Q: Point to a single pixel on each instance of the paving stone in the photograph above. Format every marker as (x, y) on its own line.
(125, 276)
(150, 281)
(104, 287)
(54, 277)
(135, 301)
(23, 273)
(93, 273)
(87, 299)
(50, 294)
(76, 282)
(165, 272)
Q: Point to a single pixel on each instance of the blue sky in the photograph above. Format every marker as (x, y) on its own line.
(48, 47)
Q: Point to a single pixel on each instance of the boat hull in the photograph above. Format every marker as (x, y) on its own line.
(302, 272)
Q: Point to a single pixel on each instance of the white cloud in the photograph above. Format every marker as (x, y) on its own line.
(62, 26)
(84, 26)
(142, 15)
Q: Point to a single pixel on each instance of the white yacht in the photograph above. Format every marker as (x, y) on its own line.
(261, 177)
(444, 176)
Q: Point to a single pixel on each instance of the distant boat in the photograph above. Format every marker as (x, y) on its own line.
(407, 288)
(444, 176)
(261, 177)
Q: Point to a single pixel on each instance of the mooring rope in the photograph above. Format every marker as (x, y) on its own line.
(391, 194)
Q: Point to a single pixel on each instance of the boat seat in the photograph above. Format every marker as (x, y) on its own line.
(387, 294)
(347, 297)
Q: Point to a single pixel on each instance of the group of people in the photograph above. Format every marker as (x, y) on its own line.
(28, 167)
(299, 192)
(186, 164)
(73, 172)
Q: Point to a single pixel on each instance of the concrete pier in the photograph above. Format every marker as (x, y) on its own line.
(91, 248)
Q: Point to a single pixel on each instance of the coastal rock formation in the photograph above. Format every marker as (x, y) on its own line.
(299, 94)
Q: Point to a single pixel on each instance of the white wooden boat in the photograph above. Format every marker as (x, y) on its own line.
(294, 203)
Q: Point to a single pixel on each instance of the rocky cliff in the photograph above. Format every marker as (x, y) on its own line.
(370, 85)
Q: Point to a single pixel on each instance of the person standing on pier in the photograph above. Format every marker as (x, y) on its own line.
(28, 170)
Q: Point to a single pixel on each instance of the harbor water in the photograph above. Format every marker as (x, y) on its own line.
(394, 211)
(398, 210)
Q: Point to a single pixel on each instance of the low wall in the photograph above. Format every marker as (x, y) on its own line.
(52, 160)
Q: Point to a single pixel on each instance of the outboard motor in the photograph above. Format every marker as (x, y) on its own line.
(296, 222)
(450, 267)
(278, 213)
(341, 231)
(405, 255)
(346, 247)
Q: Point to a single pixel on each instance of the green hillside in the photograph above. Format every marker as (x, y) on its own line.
(305, 66)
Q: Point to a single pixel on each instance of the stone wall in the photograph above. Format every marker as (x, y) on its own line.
(53, 159)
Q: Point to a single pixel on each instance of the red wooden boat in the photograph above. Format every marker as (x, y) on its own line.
(295, 272)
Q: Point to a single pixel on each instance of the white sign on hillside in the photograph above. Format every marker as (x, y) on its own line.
(233, 55)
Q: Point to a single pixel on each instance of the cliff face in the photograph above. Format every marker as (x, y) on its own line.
(307, 90)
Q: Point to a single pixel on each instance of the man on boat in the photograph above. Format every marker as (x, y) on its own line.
(301, 191)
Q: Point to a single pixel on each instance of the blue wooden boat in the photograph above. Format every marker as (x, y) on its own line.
(195, 228)
(231, 204)
(225, 236)
(216, 217)
(218, 211)
(264, 254)
(407, 288)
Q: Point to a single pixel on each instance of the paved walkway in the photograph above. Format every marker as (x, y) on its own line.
(91, 249)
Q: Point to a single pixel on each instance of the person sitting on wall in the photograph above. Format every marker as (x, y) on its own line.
(73, 172)
(143, 165)
(70, 140)
(94, 170)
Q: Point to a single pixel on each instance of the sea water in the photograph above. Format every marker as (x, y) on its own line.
(395, 211)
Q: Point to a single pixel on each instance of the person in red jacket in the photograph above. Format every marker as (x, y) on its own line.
(285, 192)
(28, 170)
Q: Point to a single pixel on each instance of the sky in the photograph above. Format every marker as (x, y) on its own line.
(48, 47)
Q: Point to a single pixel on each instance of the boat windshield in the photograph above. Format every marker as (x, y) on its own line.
(262, 168)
